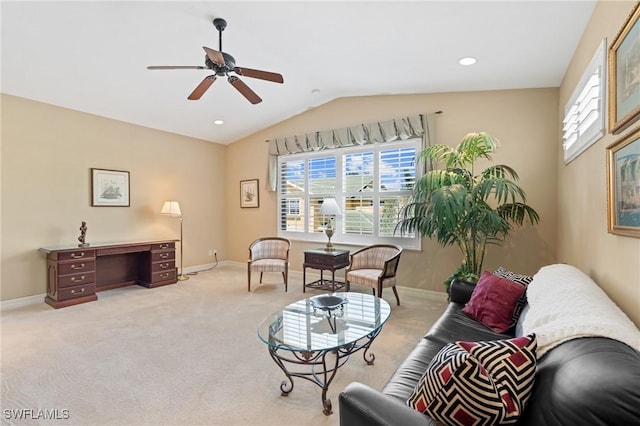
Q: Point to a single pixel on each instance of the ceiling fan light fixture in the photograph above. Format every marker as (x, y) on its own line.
(467, 60)
(218, 122)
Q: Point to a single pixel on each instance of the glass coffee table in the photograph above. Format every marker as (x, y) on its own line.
(314, 337)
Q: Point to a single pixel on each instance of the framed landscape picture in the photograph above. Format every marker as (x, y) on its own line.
(249, 193)
(109, 188)
(623, 190)
(624, 75)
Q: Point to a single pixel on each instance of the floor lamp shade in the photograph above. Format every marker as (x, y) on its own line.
(172, 209)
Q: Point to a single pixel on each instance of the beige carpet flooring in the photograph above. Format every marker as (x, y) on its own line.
(184, 354)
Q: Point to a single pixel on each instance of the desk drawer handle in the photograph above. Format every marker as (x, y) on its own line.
(78, 291)
(79, 266)
(76, 256)
(164, 255)
(164, 246)
(164, 265)
(164, 275)
(74, 279)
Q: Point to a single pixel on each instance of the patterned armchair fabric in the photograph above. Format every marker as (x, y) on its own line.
(375, 266)
(270, 254)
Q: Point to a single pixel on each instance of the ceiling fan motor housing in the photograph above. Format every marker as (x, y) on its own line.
(229, 64)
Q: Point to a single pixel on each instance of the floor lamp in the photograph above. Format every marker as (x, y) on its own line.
(172, 208)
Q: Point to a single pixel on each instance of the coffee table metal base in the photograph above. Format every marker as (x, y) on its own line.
(322, 369)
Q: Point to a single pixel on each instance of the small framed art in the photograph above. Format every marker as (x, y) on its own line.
(249, 193)
(623, 189)
(624, 75)
(109, 188)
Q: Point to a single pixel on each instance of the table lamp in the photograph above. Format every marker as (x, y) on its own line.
(329, 208)
(172, 209)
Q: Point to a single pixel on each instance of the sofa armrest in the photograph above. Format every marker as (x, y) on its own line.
(460, 291)
(361, 405)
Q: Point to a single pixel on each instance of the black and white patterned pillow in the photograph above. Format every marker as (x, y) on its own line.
(520, 279)
(479, 383)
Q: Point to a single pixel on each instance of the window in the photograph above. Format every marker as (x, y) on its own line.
(584, 115)
(371, 183)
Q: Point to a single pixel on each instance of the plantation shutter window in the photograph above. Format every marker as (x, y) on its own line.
(584, 120)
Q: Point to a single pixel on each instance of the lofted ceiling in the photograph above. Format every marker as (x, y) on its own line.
(92, 56)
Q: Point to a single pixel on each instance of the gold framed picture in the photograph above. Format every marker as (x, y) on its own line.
(623, 185)
(624, 75)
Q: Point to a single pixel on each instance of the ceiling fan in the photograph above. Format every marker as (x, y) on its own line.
(221, 63)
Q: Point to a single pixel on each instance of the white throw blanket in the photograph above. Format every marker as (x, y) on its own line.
(564, 303)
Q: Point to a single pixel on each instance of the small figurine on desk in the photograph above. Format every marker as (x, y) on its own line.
(83, 234)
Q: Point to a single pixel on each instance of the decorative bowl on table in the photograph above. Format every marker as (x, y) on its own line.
(328, 302)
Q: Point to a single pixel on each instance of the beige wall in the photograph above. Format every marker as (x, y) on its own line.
(612, 261)
(46, 156)
(47, 153)
(525, 121)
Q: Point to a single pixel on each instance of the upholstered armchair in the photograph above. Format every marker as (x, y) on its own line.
(269, 254)
(374, 266)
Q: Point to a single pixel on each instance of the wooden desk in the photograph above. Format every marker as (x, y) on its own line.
(76, 274)
(324, 260)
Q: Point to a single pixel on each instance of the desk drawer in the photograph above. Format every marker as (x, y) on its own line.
(163, 255)
(171, 275)
(163, 266)
(163, 246)
(76, 291)
(77, 254)
(76, 279)
(76, 267)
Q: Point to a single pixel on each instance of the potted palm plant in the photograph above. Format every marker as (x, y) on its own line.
(457, 205)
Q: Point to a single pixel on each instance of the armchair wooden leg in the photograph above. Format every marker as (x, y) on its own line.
(284, 277)
(396, 293)
(249, 279)
(260, 277)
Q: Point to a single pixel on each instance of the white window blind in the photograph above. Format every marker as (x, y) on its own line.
(371, 184)
(585, 113)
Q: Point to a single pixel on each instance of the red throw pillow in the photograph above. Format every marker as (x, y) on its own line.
(493, 301)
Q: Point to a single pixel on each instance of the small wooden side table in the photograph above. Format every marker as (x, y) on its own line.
(324, 260)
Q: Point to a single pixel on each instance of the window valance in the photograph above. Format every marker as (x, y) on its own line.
(402, 128)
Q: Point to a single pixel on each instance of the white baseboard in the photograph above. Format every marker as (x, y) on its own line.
(39, 298)
(22, 301)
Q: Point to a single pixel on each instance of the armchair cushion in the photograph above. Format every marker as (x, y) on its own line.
(269, 265)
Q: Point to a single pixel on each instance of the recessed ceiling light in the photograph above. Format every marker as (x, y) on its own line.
(218, 122)
(467, 61)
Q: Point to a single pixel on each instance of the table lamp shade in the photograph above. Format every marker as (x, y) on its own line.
(171, 208)
(330, 207)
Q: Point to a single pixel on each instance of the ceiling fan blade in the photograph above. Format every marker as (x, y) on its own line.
(177, 67)
(244, 90)
(263, 75)
(202, 87)
(215, 56)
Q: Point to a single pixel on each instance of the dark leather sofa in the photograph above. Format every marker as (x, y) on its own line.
(584, 381)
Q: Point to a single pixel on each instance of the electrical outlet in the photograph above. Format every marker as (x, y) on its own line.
(211, 252)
